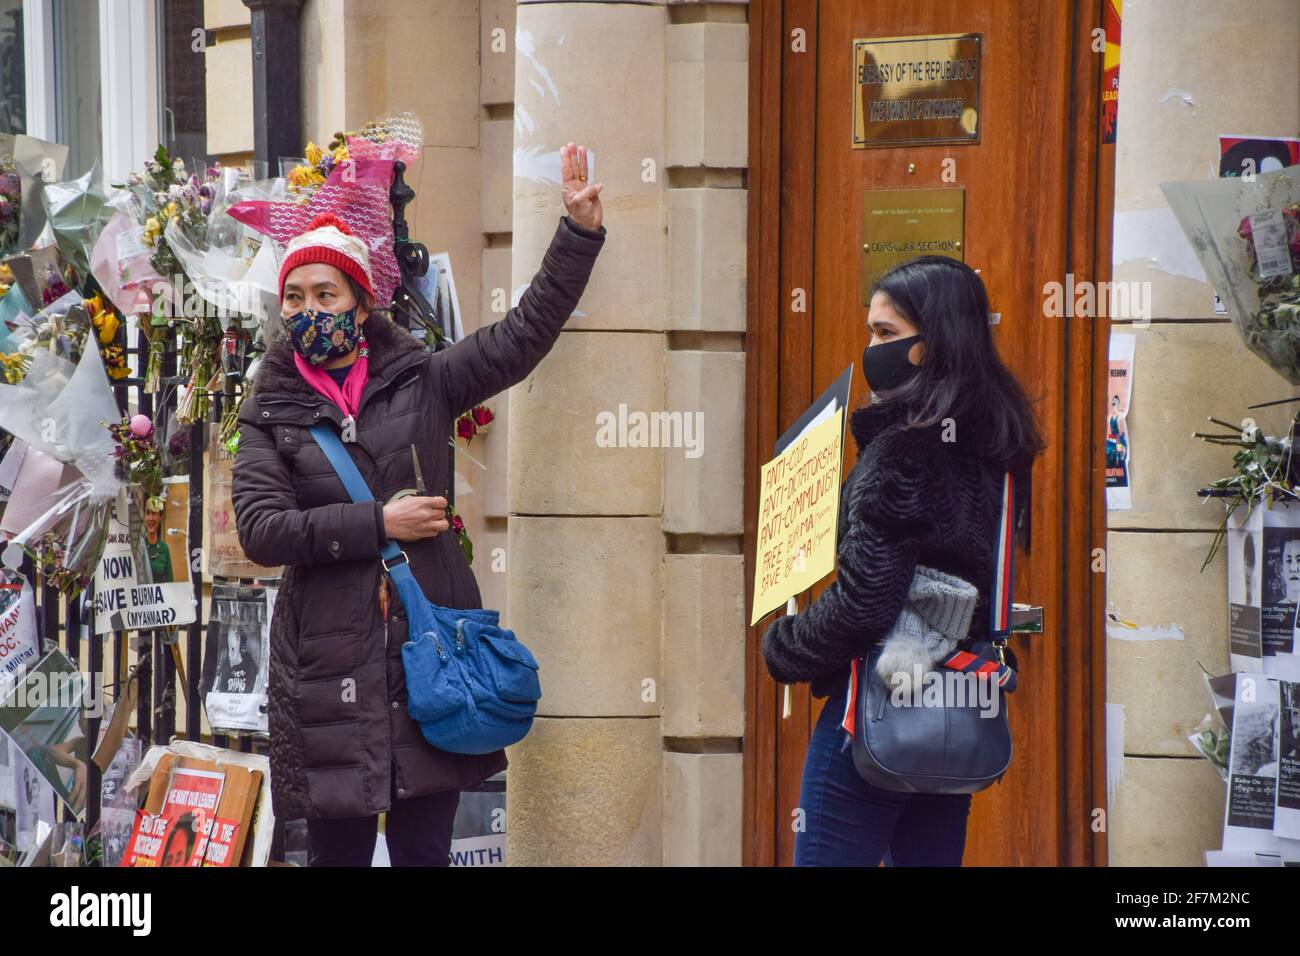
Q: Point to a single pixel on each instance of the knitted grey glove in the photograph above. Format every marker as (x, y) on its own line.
(935, 619)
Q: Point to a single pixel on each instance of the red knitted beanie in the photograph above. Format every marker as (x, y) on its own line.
(329, 240)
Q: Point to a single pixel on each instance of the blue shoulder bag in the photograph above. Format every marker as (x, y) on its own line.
(470, 684)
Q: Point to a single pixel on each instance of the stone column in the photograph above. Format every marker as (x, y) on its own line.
(624, 556)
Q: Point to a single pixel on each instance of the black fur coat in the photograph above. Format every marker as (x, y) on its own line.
(911, 498)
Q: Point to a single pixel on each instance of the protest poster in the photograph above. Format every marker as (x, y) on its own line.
(222, 554)
(33, 799)
(117, 803)
(201, 811)
(1252, 765)
(11, 462)
(174, 834)
(18, 644)
(1119, 392)
(1286, 808)
(799, 494)
(1280, 590)
(438, 286)
(43, 715)
(237, 657)
(1252, 155)
(136, 586)
(1244, 543)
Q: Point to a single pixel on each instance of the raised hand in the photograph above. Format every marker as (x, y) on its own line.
(581, 199)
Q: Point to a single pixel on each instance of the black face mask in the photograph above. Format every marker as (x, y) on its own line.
(886, 366)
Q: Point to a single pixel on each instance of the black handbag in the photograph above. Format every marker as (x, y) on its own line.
(960, 746)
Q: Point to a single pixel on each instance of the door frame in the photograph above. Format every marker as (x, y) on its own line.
(780, 231)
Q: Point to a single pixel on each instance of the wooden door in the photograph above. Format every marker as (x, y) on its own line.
(1034, 188)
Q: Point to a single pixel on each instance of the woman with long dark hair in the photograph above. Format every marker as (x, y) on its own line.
(945, 422)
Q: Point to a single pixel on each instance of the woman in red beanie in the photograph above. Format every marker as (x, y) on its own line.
(343, 746)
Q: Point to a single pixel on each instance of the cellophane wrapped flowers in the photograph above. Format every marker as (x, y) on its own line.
(1246, 234)
(11, 202)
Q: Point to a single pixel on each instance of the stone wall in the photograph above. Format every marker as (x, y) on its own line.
(1166, 802)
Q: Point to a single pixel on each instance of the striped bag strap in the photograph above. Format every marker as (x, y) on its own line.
(1004, 572)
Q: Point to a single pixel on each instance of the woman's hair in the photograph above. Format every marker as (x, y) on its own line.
(961, 376)
(364, 298)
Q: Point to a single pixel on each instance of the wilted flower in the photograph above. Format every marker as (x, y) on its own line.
(179, 443)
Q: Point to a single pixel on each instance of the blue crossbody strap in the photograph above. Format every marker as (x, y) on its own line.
(356, 486)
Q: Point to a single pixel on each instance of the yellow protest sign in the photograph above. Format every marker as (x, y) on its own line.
(799, 498)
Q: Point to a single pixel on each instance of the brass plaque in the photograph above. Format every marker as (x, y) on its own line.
(910, 90)
(900, 224)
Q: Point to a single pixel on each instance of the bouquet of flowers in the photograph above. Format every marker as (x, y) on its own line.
(11, 204)
(1264, 470)
(137, 455)
(109, 335)
(67, 541)
(168, 201)
(56, 410)
(305, 178)
(167, 194)
(64, 327)
(1246, 234)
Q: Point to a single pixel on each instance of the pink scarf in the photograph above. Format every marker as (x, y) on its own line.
(347, 398)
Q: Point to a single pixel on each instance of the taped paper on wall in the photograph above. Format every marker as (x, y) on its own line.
(1119, 392)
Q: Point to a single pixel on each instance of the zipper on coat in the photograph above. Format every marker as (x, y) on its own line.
(289, 401)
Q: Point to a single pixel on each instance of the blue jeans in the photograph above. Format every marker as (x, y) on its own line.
(849, 822)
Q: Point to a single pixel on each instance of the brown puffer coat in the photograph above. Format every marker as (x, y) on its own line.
(340, 730)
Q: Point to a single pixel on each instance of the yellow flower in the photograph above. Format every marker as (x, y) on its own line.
(107, 326)
(314, 154)
(301, 176)
(171, 210)
(341, 154)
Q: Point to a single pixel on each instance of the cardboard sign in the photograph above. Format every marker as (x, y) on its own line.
(127, 598)
(799, 497)
(198, 813)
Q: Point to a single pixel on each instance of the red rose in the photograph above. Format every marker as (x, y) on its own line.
(482, 415)
(465, 427)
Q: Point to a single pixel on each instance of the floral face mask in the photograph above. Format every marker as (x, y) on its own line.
(321, 336)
